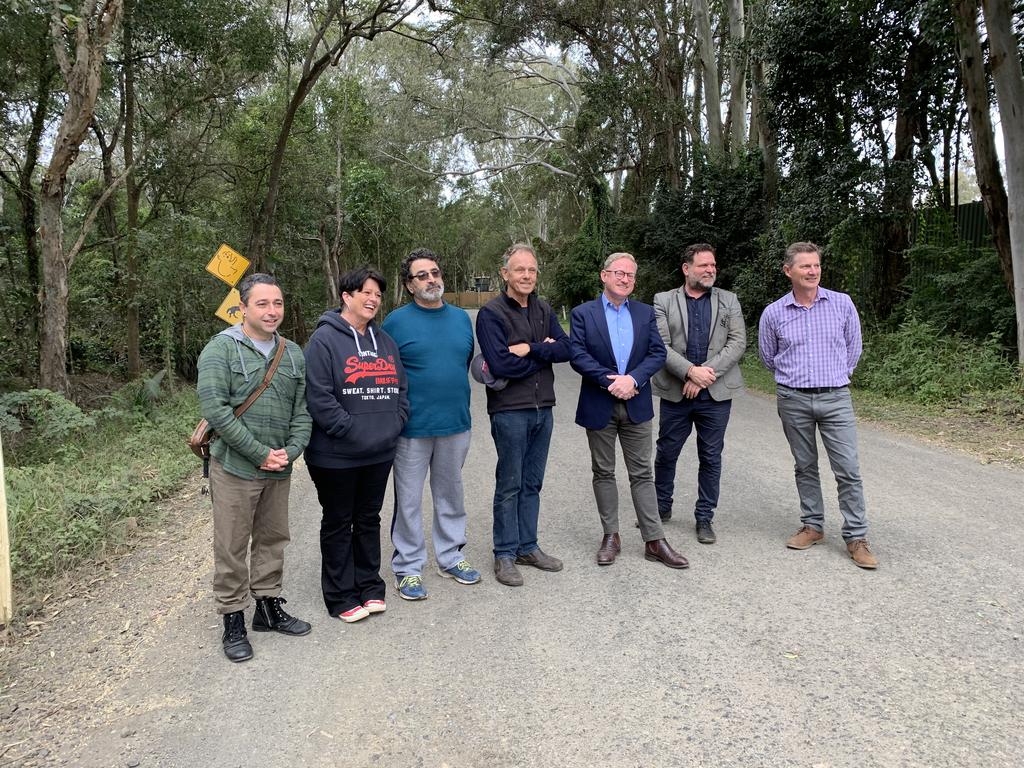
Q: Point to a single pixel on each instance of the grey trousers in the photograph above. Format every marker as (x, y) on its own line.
(249, 516)
(831, 413)
(443, 457)
(636, 451)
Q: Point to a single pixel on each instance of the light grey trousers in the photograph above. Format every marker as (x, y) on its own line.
(636, 451)
(831, 414)
(443, 457)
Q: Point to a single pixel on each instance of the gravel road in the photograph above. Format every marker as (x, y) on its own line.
(755, 656)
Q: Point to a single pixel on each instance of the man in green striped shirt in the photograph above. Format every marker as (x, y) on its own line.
(251, 461)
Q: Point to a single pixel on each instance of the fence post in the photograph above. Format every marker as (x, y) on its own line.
(6, 604)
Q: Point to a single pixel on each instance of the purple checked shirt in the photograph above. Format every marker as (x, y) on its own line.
(815, 346)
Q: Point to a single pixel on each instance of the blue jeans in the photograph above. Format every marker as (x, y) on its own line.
(521, 439)
(710, 417)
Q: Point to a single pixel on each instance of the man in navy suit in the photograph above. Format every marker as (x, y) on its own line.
(616, 348)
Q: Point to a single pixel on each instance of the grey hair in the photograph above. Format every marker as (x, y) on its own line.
(615, 257)
(797, 248)
(245, 286)
(516, 248)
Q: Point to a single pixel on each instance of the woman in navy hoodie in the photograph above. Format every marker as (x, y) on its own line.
(356, 394)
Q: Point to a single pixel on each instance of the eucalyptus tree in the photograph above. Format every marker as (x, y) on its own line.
(27, 84)
(79, 44)
(1005, 57)
(329, 28)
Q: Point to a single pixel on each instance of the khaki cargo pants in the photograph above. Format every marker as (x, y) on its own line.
(245, 510)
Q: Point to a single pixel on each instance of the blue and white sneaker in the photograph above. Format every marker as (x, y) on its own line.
(462, 572)
(411, 588)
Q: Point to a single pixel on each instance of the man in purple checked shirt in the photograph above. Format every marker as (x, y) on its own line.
(810, 340)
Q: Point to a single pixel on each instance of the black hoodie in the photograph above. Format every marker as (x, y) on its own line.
(356, 392)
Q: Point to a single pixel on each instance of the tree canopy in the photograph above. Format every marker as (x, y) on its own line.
(314, 137)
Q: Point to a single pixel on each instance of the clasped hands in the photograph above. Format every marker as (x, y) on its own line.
(276, 460)
(697, 378)
(623, 386)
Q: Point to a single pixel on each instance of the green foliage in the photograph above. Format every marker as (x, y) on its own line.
(69, 508)
(38, 423)
(579, 262)
(960, 290)
(722, 206)
(920, 362)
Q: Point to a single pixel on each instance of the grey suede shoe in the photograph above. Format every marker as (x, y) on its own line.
(538, 559)
(506, 572)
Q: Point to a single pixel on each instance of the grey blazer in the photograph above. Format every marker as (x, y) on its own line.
(725, 347)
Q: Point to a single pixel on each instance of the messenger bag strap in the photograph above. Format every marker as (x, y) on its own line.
(281, 342)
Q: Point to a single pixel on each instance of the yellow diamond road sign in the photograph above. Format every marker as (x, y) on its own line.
(230, 310)
(227, 264)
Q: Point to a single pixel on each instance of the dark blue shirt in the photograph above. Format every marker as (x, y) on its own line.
(698, 331)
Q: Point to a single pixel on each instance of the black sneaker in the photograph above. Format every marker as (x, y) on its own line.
(236, 644)
(705, 533)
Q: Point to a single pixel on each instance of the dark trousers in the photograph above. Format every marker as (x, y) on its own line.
(677, 420)
(350, 533)
(521, 440)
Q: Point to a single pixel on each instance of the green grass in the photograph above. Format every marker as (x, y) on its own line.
(73, 507)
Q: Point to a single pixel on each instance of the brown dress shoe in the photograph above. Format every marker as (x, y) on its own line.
(540, 559)
(505, 571)
(660, 551)
(610, 548)
(805, 538)
(858, 549)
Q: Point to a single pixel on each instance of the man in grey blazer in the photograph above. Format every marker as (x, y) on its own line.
(702, 327)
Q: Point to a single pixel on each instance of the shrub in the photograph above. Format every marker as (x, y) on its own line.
(921, 363)
(37, 424)
(69, 508)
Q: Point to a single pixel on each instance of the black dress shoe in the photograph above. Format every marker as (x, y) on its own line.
(705, 533)
(236, 644)
(609, 550)
(271, 617)
(660, 551)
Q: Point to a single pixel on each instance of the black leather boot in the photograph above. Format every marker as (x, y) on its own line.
(236, 644)
(270, 616)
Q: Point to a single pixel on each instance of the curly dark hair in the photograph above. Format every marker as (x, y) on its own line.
(405, 268)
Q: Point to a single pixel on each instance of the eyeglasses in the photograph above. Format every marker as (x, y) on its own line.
(620, 275)
(424, 276)
(524, 271)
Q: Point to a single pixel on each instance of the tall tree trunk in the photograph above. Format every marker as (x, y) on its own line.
(986, 161)
(762, 116)
(898, 197)
(29, 211)
(82, 81)
(737, 78)
(1009, 81)
(133, 193)
(709, 70)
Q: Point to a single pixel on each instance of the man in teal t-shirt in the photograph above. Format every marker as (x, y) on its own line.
(435, 342)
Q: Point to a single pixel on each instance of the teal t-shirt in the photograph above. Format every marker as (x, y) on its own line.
(436, 346)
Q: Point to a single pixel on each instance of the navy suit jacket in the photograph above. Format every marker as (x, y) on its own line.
(594, 359)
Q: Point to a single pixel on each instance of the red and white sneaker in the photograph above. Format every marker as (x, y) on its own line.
(375, 606)
(354, 614)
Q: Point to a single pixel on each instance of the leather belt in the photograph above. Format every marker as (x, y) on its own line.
(817, 390)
